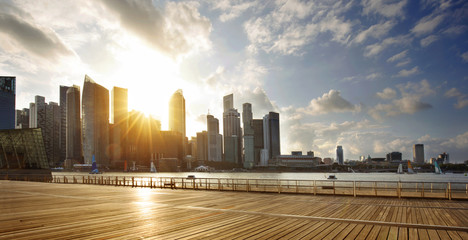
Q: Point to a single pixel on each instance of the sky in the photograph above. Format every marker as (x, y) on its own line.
(374, 76)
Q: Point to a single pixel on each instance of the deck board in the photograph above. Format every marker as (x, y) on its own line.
(32, 210)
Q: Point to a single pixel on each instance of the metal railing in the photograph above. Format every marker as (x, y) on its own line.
(400, 189)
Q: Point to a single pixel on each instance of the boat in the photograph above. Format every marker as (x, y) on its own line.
(94, 169)
(437, 168)
(331, 177)
(410, 168)
(190, 176)
(400, 169)
(153, 168)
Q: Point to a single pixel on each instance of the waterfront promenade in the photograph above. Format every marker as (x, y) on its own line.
(33, 210)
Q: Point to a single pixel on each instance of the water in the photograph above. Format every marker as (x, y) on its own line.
(420, 177)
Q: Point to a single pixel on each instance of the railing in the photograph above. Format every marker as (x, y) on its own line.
(441, 190)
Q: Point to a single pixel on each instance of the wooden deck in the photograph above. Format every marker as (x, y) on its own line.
(33, 210)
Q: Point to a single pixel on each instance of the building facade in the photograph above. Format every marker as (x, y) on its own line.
(215, 140)
(232, 131)
(95, 122)
(22, 118)
(177, 112)
(249, 148)
(271, 137)
(63, 121)
(418, 153)
(74, 150)
(119, 119)
(339, 155)
(7, 102)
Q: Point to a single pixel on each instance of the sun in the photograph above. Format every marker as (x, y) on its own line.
(151, 78)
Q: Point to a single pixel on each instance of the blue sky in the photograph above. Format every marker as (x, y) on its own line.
(373, 76)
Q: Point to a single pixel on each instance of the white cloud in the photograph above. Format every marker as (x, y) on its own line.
(176, 31)
(382, 7)
(376, 48)
(427, 24)
(398, 56)
(465, 56)
(462, 99)
(376, 31)
(387, 93)
(373, 76)
(428, 40)
(232, 9)
(404, 62)
(407, 73)
(328, 103)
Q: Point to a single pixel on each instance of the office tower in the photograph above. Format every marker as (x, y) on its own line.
(63, 121)
(215, 140)
(52, 134)
(257, 126)
(22, 118)
(394, 156)
(232, 132)
(119, 118)
(249, 153)
(95, 125)
(339, 155)
(7, 102)
(74, 151)
(418, 153)
(202, 147)
(40, 111)
(32, 115)
(271, 137)
(177, 112)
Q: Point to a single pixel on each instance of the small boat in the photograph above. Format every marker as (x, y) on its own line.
(153, 168)
(331, 177)
(400, 169)
(410, 168)
(94, 169)
(437, 168)
(190, 176)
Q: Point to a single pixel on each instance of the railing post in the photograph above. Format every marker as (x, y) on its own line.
(220, 187)
(375, 188)
(399, 189)
(278, 184)
(354, 188)
(297, 190)
(133, 181)
(422, 192)
(449, 191)
(315, 188)
(248, 185)
(334, 193)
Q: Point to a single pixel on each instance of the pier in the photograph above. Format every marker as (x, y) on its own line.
(36, 210)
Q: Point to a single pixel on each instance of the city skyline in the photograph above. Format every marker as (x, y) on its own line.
(370, 76)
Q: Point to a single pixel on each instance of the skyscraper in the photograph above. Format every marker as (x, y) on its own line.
(119, 117)
(52, 134)
(63, 122)
(339, 155)
(7, 102)
(271, 137)
(74, 150)
(22, 118)
(257, 125)
(249, 153)
(418, 153)
(177, 112)
(215, 140)
(202, 147)
(95, 125)
(232, 131)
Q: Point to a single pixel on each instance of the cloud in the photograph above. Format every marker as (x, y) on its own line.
(214, 78)
(261, 103)
(376, 48)
(176, 31)
(383, 8)
(427, 24)
(428, 40)
(407, 73)
(387, 93)
(398, 56)
(328, 103)
(376, 31)
(462, 99)
(410, 101)
(24, 35)
(464, 56)
(232, 9)
(293, 24)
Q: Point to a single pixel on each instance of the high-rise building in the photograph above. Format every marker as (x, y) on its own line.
(119, 118)
(95, 125)
(394, 156)
(271, 137)
(202, 147)
(177, 112)
(32, 115)
(418, 153)
(74, 150)
(215, 140)
(22, 118)
(339, 155)
(232, 132)
(249, 152)
(257, 126)
(63, 122)
(7, 102)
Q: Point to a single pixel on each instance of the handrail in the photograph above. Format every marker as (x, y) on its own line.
(400, 189)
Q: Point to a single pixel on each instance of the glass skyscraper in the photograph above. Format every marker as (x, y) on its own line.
(7, 102)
